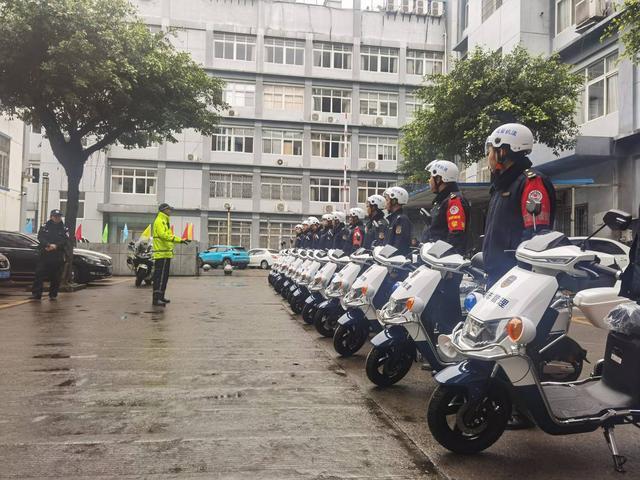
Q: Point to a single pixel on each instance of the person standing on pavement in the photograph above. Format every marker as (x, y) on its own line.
(513, 183)
(399, 224)
(52, 238)
(375, 229)
(163, 244)
(449, 222)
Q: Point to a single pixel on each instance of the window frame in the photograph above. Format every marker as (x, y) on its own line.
(240, 229)
(5, 160)
(381, 54)
(283, 91)
(320, 141)
(228, 183)
(227, 137)
(286, 46)
(369, 190)
(63, 204)
(318, 185)
(334, 97)
(134, 179)
(332, 51)
(422, 58)
(231, 93)
(378, 99)
(283, 136)
(290, 191)
(238, 43)
(384, 146)
(609, 72)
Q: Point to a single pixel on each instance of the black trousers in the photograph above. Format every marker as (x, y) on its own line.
(444, 311)
(160, 276)
(47, 268)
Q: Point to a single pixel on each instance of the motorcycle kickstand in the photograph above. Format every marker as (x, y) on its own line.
(618, 460)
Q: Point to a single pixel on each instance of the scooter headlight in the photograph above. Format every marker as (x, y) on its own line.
(445, 345)
(356, 296)
(481, 333)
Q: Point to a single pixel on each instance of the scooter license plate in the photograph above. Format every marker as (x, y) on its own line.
(4, 274)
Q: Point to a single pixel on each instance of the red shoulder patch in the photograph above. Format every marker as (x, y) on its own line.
(535, 189)
(356, 240)
(456, 218)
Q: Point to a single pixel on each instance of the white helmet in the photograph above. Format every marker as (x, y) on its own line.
(313, 220)
(298, 227)
(448, 171)
(376, 201)
(327, 216)
(513, 135)
(340, 216)
(399, 193)
(357, 212)
(305, 222)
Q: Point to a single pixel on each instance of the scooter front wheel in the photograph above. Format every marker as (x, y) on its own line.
(325, 323)
(308, 312)
(464, 426)
(386, 366)
(348, 339)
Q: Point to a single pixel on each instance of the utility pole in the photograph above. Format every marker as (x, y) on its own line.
(44, 198)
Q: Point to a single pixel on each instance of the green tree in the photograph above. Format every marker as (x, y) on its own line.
(483, 91)
(627, 25)
(93, 74)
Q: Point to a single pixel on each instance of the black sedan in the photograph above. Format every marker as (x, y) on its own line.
(22, 252)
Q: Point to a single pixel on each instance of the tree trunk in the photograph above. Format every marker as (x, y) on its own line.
(74, 168)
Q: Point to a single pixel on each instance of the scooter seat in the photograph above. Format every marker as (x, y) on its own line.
(585, 400)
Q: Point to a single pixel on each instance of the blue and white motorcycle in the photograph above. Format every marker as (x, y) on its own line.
(301, 293)
(331, 263)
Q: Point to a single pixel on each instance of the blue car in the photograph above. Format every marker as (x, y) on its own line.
(224, 255)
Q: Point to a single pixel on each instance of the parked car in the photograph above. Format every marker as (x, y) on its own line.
(5, 268)
(262, 257)
(224, 255)
(610, 251)
(22, 251)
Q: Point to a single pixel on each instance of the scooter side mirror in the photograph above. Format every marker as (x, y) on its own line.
(617, 219)
(534, 207)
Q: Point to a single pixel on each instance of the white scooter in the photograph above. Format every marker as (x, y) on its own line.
(331, 263)
(507, 334)
(300, 294)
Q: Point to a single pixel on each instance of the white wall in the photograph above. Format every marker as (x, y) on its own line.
(10, 199)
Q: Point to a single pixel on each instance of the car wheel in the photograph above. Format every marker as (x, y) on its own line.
(77, 275)
(264, 265)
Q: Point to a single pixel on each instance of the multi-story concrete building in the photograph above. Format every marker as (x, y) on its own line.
(11, 153)
(295, 75)
(603, 171)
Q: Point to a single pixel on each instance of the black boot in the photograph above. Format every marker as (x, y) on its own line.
(157, 302)
(165, 300)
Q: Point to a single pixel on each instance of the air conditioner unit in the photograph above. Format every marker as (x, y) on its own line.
(281, 207)
(281, 163)
(232, 113)
(330, 119)
(589, 12)
(379, 121)
(191, 157)
(315, 117)
(404, 6)
(436, 9)
(419, 7)
(372, 165)
(328, 209)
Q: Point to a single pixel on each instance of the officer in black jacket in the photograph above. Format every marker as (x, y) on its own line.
(314, 237)
(399, 225)
(326, 232)
(449, 220)
(340, 237)
(298, 240)
(305, 237)
(52, 237)
(513, 183)
(376, 226)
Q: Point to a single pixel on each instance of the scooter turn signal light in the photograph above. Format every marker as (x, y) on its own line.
(410, 302)
(515, 327)
(364, 289)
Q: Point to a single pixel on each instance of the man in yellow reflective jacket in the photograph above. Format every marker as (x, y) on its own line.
(163, 244)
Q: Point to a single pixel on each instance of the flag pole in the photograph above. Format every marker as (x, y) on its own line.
(344, 178)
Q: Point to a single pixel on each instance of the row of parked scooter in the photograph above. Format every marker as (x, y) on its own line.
(508, 351)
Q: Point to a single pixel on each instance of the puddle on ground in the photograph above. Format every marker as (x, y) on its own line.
(51, 355)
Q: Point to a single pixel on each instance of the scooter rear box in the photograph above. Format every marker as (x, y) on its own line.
(621, 369)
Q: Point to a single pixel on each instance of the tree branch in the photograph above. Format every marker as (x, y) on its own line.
(108, 139)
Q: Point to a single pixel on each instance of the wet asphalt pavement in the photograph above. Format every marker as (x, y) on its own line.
(223, 383)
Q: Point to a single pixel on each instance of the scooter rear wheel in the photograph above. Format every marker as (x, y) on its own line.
(386, 366)
(468, 427)
(348, 339)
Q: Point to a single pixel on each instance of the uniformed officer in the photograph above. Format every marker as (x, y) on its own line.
(513, 183)
(449, 221)
(356, 227)
(326, 231)
(314, 237)
(339, 230)
(298, 231)
(52, 238)
(305, 238)
(450, 210)
(375, 229)
(399, 225)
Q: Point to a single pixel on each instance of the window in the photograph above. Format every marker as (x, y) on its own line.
(34, 174)
(379, 59)
(379, 104)
(600, 96)
(5, 153)
(282, 142)
(230, 185)
(63, 203)
(413, 104)
(287, 52)
(378, 148)
(240, 232)
(233, 46)
(565, 14)
(283, 97)
(366, 188)
(272, 234)
(421, 62)
(464, 11)
(133, 180)
(605, 247)
(233, 139)
(239, 94)
(329, 145)
(328, 190)
(488, 7)
(331, 100)
(332, 55)
(17, 240)
(36, 126)
(281, 188)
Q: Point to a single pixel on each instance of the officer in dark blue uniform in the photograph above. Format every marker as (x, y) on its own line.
(376, 226)
(314, 237)
(399, 225)
(513, 183)
(306, 238)
(52, 238)
(326, 232)
(338, 230)
(298, 240)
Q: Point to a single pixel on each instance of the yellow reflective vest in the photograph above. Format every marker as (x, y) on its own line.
(163, 240)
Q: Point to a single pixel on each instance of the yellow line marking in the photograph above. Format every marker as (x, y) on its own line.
(15, 304)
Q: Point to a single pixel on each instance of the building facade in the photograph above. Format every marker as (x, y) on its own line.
(603, 171)
(11, 153)
(298, 76)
